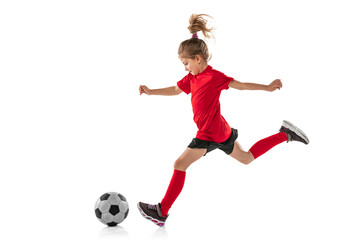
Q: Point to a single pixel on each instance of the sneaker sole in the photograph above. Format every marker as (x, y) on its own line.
(157, 222)
(296, 130)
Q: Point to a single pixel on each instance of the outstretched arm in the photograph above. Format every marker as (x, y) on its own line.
(170, 91)
(276, 84)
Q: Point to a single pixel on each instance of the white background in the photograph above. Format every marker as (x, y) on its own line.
(73, 126)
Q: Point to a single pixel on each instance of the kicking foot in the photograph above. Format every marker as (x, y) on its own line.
(152, 213)
(293, 133)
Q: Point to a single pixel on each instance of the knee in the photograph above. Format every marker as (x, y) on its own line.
(248, 159)
(180, 165)
(246, 162)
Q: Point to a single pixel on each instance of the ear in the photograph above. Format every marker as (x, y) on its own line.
(198, 59)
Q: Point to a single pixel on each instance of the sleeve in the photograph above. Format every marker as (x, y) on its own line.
(223, 81)
(184, 84)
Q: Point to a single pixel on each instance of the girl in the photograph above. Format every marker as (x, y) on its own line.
(205, 85)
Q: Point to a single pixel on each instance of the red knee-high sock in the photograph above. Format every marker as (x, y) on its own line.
(173, 191)
(266, 144)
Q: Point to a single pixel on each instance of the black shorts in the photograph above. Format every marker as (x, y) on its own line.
(227, 146)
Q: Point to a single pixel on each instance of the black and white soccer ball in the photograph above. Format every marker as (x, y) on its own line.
(111, 208)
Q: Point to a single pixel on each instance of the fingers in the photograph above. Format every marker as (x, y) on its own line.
(278, 81)
(142, 89)
(277, 84)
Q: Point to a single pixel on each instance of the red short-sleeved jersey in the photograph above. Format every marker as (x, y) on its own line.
(205, 89)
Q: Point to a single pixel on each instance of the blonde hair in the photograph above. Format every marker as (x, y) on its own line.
(195, 46)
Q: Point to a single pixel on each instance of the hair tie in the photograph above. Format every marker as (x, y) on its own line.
(195, 35)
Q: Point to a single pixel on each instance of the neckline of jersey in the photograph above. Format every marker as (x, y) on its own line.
(208, 68)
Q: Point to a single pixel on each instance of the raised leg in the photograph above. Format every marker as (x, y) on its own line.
(242, 156)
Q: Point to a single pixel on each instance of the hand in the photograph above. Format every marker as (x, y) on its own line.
(276, 84)
(144, 89)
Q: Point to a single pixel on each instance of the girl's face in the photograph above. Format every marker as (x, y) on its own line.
(192, 65)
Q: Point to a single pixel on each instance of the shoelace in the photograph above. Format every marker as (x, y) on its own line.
(152, 207)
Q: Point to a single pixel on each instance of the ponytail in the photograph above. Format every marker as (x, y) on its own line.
(198, 23)
(195, 46)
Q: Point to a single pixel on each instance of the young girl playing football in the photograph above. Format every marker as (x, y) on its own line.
(205, 85)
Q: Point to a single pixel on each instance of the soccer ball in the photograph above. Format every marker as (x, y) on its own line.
(111, 208)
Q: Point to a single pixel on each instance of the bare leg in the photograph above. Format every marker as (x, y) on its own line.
(240, 155)
(189, 156)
